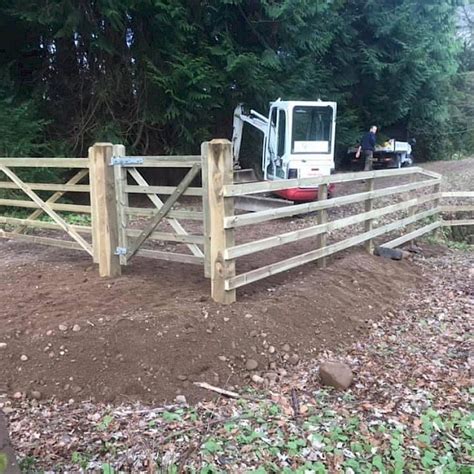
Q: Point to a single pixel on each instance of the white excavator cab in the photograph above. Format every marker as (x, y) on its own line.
(298, 140)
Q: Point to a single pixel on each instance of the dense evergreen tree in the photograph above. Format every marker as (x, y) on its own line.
(163, 75)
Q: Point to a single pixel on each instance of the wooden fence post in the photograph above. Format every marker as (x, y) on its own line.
(438, 233)
(369, 205)
(205, 209)
(220, 173)
(120, 177)
(412, 210)
(322, 219)
(104, 210)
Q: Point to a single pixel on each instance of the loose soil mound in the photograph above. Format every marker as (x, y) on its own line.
(152, 332)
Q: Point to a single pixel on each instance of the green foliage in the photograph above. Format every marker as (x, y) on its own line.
(3, 462)
(81, 459)
(163, 76)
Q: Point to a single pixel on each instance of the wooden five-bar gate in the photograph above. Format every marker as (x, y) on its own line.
(196, 221)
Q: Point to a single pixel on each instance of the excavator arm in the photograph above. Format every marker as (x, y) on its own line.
(255, 119)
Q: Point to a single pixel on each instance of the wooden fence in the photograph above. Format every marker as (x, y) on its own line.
(419, 208)
(50, 206)
(123, 225)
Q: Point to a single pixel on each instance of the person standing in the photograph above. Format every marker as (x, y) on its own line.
(367, 147)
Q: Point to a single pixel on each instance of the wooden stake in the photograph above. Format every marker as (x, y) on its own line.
(322, 219)
(369, 205)
(104, 212)
(220, 173)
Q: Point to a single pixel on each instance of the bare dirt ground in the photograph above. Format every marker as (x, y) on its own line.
(151, 333)
(73, 339)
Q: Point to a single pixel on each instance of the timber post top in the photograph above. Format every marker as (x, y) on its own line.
(219, 141)
(103, 144)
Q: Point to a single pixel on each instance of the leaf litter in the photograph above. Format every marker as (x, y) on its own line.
(407, 410)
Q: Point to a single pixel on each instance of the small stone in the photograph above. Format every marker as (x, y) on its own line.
(17, 395)
(251, 364)
(336, 374)
(76, 328)
(24, 358)
(49, 333)
(248, 316)
(182, 378)
(294, 359)
(210, 328)
(273, 365)
(226, 320)
(271, 376)
(3, 345)
(271, 350)
(36, 394)
(253, 333)
(62, 327)
(181, 399)
(286, 347)
(222, 358)
(257, 379)
(51, 355)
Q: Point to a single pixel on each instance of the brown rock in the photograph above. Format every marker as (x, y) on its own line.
(36, 394)
(336, 374)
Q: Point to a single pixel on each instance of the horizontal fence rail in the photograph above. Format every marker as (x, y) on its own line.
(45, 162)
(49, 207)
(279, 185)
(419, 205)
(457, 208)
(127, 213)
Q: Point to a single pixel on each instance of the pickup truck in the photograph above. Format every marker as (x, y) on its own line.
(392, 154)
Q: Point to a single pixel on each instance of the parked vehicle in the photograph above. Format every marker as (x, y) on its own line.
(392, 154)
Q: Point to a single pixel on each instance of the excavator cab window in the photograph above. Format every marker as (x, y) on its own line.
(281, 133)
(312, 129)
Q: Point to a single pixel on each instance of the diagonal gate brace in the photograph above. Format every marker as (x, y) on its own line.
(158, 203)
(158, 217)
(47, 209)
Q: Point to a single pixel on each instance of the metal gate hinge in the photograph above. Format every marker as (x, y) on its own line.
(120, 251)
(125, 160)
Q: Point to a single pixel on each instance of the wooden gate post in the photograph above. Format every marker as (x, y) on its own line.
(103, 209)
(218, 154)
(120, 176)
(205, 209)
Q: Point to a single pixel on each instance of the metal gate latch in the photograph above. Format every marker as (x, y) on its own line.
(126, 160)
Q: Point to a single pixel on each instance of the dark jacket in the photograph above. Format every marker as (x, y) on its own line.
(368, 142)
